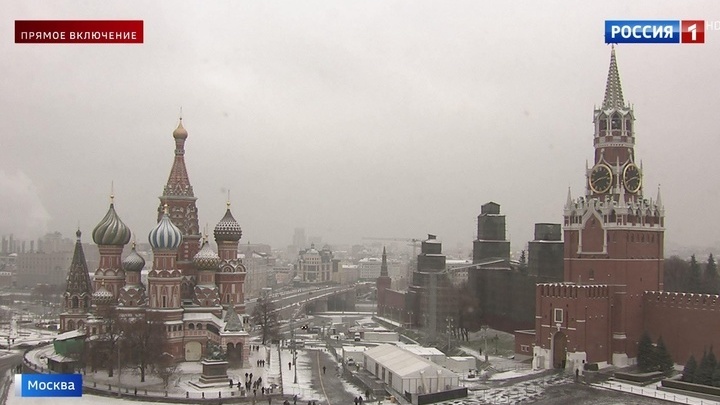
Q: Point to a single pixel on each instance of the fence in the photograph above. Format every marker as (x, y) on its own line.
(653, 393)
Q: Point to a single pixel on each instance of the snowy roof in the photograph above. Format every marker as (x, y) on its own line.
(405, 364)
(354, 349)
(70, 335)
(200, 316)
(421, 350)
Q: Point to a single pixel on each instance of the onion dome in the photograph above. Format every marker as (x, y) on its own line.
(165, 235)
(111, 230)
(133, 261)
(180, 132)
(102, 296)
(206, 258)
(228, 229)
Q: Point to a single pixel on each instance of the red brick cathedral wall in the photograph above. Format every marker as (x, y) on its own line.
(688, 323)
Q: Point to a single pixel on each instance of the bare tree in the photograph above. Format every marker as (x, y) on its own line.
(265, 315)
(143, 343)
(165, 368)
(104, 350)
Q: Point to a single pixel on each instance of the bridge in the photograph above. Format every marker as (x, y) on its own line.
(313, 299)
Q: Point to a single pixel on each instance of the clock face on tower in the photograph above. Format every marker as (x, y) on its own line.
(601, 179)
(631, 178)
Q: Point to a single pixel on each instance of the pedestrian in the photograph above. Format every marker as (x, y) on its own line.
(360, 399)
(255, 392)
(246, 376)
(356, 401)
(289, 365)
(250, 376)
(269, 400)
(295, 399)
(323, 369)
(262, 390)
(367, 394)
(309, 402)
(231, 383)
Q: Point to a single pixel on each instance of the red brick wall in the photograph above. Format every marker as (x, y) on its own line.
(586, 318)
(688, 323)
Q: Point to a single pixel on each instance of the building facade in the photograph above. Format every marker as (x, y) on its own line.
(195, 292)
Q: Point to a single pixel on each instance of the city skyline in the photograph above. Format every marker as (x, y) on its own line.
(383, 120)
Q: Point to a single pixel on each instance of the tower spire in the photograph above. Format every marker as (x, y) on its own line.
(383, 265)
(613, 89)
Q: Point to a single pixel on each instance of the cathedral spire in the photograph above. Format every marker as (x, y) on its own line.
(613, 89)
(383, 266)
(78, 279)
(569, 202)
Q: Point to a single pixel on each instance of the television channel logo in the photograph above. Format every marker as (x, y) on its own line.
(654, 31)
(48, 385)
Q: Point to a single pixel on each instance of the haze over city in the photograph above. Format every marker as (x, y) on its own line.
(350, 119)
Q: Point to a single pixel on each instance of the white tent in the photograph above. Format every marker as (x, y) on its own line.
(407, 372)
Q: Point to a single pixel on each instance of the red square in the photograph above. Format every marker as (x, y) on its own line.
(692, 31)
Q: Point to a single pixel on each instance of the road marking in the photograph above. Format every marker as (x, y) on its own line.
(321, 380)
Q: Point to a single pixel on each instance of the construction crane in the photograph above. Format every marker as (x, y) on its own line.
(411, 242)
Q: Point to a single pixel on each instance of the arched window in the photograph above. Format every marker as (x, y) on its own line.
(75, 302)
(616, 122)
(86, 302)
(628, 125)
(199, 327)
(191, 326)
(164, 301)
(80, 324)
(602, 123)
(70, 325)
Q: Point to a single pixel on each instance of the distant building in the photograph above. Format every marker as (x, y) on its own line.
(315, 266)
(350, 273)
(42, 268)
(299, 239)
(369, 268)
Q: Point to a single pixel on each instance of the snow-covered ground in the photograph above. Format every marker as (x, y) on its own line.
(505, 375)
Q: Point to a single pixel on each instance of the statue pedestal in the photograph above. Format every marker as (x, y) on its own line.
(214, 374)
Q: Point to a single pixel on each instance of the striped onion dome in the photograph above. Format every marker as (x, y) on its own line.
(206, 258)
(228, 229)
(133, 261)
(111, 230)
(102, 296)
(165, 235)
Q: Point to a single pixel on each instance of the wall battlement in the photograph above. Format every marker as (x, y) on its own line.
(565, 290)
(690, 301)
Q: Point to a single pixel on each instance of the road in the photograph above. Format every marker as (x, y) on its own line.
(8, 362)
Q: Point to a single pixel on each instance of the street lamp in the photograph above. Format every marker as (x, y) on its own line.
(485, 329)
(119, 369)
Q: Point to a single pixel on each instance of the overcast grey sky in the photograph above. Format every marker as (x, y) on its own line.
(351, 119)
